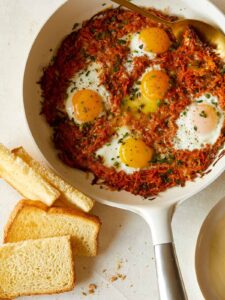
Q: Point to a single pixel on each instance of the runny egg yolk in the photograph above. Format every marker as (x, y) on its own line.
(87, 105)
(155, 39)
(135, 153)
(204, 118)
(154, 85)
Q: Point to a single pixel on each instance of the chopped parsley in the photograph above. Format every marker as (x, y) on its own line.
(116, 164)
(169, 171)
(163, 158)
(203, 114)
(214, 103)
(165, 178)
(223, 70)
(117, 64)
(113, 19)
(102, 35)
(121, 42)
(159, 103)
(120, 141)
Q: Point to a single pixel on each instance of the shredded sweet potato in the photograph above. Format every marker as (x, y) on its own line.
(193, 67)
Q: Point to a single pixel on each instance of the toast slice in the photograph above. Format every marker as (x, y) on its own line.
(35, 267)
(68, 193)
(24, 179)
(34, 220)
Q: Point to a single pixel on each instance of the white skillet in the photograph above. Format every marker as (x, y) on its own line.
(157, 213)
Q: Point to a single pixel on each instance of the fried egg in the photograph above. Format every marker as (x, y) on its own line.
(200, 124)
(125, 152)
(148, 92)
(149, 41)
(87, 99)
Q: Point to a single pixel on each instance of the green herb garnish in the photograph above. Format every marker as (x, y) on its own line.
(203, 114)
(121, 42)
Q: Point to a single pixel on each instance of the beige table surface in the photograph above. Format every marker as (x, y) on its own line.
(125, 239)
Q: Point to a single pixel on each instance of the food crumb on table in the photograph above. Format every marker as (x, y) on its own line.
(122, 277)
(113, 278)
(119, 264)
(118, 276)
(92, 287)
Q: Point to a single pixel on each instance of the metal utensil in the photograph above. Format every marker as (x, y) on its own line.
(206, 32)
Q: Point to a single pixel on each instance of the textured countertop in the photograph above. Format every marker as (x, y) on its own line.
(125, 241)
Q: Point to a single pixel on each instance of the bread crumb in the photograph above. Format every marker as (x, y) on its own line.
(92, 287)
(114, 278)
(121, 276)
(119, 264)
(85, 294)
(104, 270)
(118, 276)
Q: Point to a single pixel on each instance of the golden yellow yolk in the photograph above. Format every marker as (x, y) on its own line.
(135, 153)
(87, 105)
(204, 117)
(154, 85)
(155, 40)
(153, 88)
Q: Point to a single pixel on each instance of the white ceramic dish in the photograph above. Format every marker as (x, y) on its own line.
(209, 274)
(157, 213)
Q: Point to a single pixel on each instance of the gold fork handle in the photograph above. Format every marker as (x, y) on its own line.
(141, 11)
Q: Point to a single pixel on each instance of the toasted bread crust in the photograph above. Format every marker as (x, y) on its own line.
(13, 168)
(69, 194)
(51, 210)
(15, 171)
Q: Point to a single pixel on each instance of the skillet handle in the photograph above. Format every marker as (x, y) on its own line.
(169, 279)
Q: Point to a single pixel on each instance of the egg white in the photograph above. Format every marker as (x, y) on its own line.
(187, 137)
(88, 78)
(137, 47)
(110, 152)
(136, 50)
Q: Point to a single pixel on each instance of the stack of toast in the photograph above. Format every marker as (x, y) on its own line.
(45, 231)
